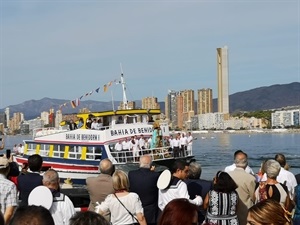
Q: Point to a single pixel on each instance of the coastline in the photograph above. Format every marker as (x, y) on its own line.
(274, 131)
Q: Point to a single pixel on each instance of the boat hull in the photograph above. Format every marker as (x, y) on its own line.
(79, 170)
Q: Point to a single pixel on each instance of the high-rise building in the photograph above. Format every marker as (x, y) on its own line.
(188, 105)
(15, 121)
(171, 108)
(58, 118)
(7, 112)
(205, 101)
(150, 103)
(179, 104)
(179, 107)
(45, 117)
(223, 84)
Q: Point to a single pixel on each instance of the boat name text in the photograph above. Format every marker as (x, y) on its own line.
(141, 130)
(84, 137)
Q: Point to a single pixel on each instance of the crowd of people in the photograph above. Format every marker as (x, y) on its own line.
(236, 195)
(130, 149)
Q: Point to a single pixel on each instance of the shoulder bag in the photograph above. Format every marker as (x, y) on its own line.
(137, 222)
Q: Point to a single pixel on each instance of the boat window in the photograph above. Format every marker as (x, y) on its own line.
(98, 152)
(94, 152)
(44, 150)
(31, 148)
(72, 152)
(119, 120)
(130, 119)
(105, 121)
(58, 151)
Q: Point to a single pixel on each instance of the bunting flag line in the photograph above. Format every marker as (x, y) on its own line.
(76, 102)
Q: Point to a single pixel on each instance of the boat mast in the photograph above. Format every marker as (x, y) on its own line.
(125, 102)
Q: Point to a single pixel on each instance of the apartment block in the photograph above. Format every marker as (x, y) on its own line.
(15, 121)
(150, 103)
(285, 118)
(205, 101)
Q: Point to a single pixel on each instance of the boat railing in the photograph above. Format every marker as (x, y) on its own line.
(39, 132)
(156, 154)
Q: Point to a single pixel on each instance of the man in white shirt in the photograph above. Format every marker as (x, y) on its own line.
(142, 145)
(142, 142)
(126, 145)
(176, 143)
(183, 145)
(189, 144)
(286, 177)
(94, 125)
(99, 124)
(177, 188)
(21, 149)
(118, 149)
(233, 166)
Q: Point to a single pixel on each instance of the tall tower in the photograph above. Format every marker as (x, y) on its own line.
(7, 112)
(171, 107)
(205, 101)
(223, 84)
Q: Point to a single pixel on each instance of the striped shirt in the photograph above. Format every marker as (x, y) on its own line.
(8, 193)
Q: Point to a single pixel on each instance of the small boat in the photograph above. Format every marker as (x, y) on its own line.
(76, 154)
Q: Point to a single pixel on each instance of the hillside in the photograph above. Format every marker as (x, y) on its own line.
(271, 97)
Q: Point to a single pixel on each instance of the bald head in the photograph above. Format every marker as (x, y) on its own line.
(241, 160)
(106, 167)
(51, 179)
(145, 161)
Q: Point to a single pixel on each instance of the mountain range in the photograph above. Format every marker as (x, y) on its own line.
(262, 98)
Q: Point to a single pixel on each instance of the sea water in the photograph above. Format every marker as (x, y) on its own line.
(214, 151)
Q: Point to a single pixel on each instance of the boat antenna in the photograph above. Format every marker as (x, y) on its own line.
(112, 101)
(125, 102)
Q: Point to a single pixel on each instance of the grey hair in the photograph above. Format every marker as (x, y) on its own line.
(51, 177)
(243, 163)
(195, 170)
(145, 161)
(272, 168)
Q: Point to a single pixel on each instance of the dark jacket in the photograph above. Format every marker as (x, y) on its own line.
(143, 182)
(26, 183)
(199, 187)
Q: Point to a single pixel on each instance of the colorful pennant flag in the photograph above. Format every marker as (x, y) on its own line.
(105, 88)
(75, 103)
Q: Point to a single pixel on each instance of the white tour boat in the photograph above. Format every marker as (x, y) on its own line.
(76, 154)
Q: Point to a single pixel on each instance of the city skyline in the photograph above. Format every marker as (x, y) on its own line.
(63, 50)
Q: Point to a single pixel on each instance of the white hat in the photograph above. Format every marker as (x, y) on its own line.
(164, 180)
(41, 196)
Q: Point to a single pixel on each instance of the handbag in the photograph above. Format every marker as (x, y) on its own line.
(137, 222)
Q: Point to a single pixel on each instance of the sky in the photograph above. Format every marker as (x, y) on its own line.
(65, 49)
